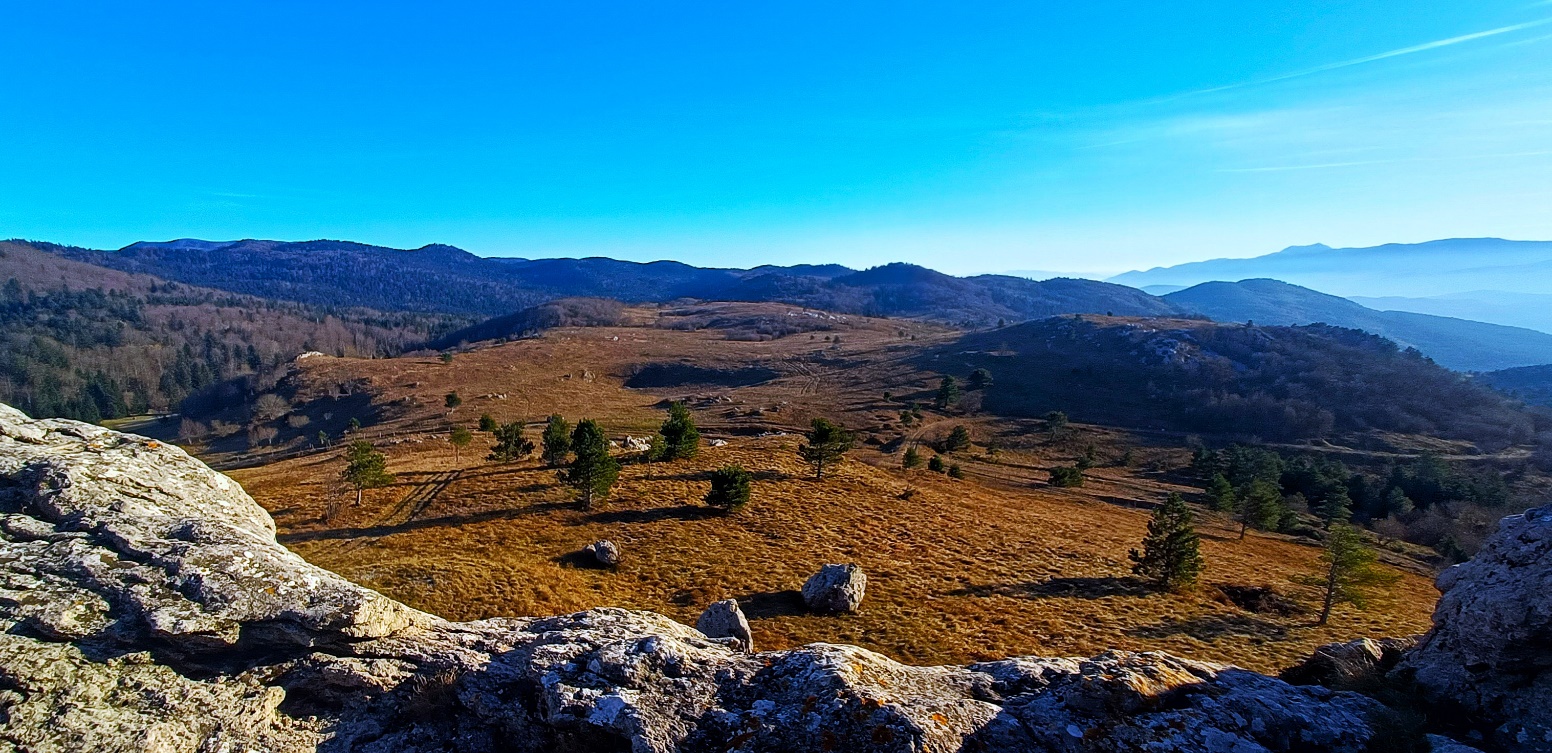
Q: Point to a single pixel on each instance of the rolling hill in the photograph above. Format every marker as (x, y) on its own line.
(444, 279)
(1533, 384)
(1434, 268)
(1453, 343)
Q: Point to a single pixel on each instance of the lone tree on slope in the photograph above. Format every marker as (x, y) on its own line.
(452, 400)
(826, 443)
(1171, 554)
(948, 393)
(680, 437)
(365, 468)
(1352, 571)
(459, 438)
(556, 440)
(593, 470)
(958, 440)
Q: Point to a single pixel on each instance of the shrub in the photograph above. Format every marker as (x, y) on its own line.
(1066, 477)
(729, 488)
(954, 471)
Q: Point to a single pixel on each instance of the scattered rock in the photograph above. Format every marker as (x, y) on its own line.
(1355, 665)
(604, 551)
(835, 588)
(724, 620)
(637, 444)
(1489, 654)
(145, 605)
(718, 443)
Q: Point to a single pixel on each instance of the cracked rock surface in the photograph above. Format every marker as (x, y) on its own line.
(145, 606)
(1487, 663)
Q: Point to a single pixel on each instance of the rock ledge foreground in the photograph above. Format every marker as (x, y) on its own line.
(147, 607)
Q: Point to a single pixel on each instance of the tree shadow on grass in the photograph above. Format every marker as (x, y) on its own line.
(655, 515)
(415, 525)
(1210, 627)
(1080, 588)
(768, 604)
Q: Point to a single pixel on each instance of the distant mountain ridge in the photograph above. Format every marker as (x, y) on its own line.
(1396, 269)
(1454, 343)
(445, 279)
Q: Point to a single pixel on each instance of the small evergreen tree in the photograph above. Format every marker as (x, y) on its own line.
(729, 488)
(487, 423)
(935, 464)
(1260, 506)
(556, 440)
(447, 358)
(1088, 459)
(1220, 493)
(1397, 502)
(459, 438)
(912, 459)
(825, 444)
(1352, 571)
(593, 470)
(954, 471)
(958, 440)
(323, 439)
(365, 468)
(452, 400)
(948, 393)
(355, 424)
(1336, 507)
(1171, 554)
(1055, 422)
(510, 443)
(1066, 477)
(680, 437)
(980, 379)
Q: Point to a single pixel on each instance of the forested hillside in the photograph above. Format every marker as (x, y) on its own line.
(84, 342)
(1272, 383)
(448, 280)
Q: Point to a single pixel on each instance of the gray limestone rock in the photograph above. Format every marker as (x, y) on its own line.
(724, 619)
(835, 588)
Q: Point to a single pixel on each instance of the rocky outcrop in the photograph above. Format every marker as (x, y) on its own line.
(724, 620)
(145, 606)
(1487, 663)
(835, 589)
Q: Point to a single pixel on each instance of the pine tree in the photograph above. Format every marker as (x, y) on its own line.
(1171, 554)
(1397, 502)
(1055, 422)
(1336, 507)
(729, 488)
(948, 393)
(958, 440)
(452, 400)
(912, 459)
(954, 471)
(365, 468)
(826, 444)
(980, 379)
(487, 423)
(459, 438)
(680, 437)
(556, 440)
(510, 443)
(593, 470)
(936, 464)
(1260, 506)
(1352, 571)
(1221, 493)
(1066, 477)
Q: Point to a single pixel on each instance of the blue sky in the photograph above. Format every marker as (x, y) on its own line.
(1076, 137)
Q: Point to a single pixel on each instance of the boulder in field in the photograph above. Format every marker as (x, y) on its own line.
(835, 589)
(604, 551)
(724, 620)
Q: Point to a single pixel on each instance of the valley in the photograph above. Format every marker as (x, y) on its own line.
(996, 563)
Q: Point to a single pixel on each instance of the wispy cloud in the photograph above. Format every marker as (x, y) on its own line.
(1414, 49)
(1361, 163)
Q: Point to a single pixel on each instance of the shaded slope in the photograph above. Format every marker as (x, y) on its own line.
(1453, 343)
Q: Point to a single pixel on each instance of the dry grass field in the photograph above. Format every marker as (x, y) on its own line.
(996, 564)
